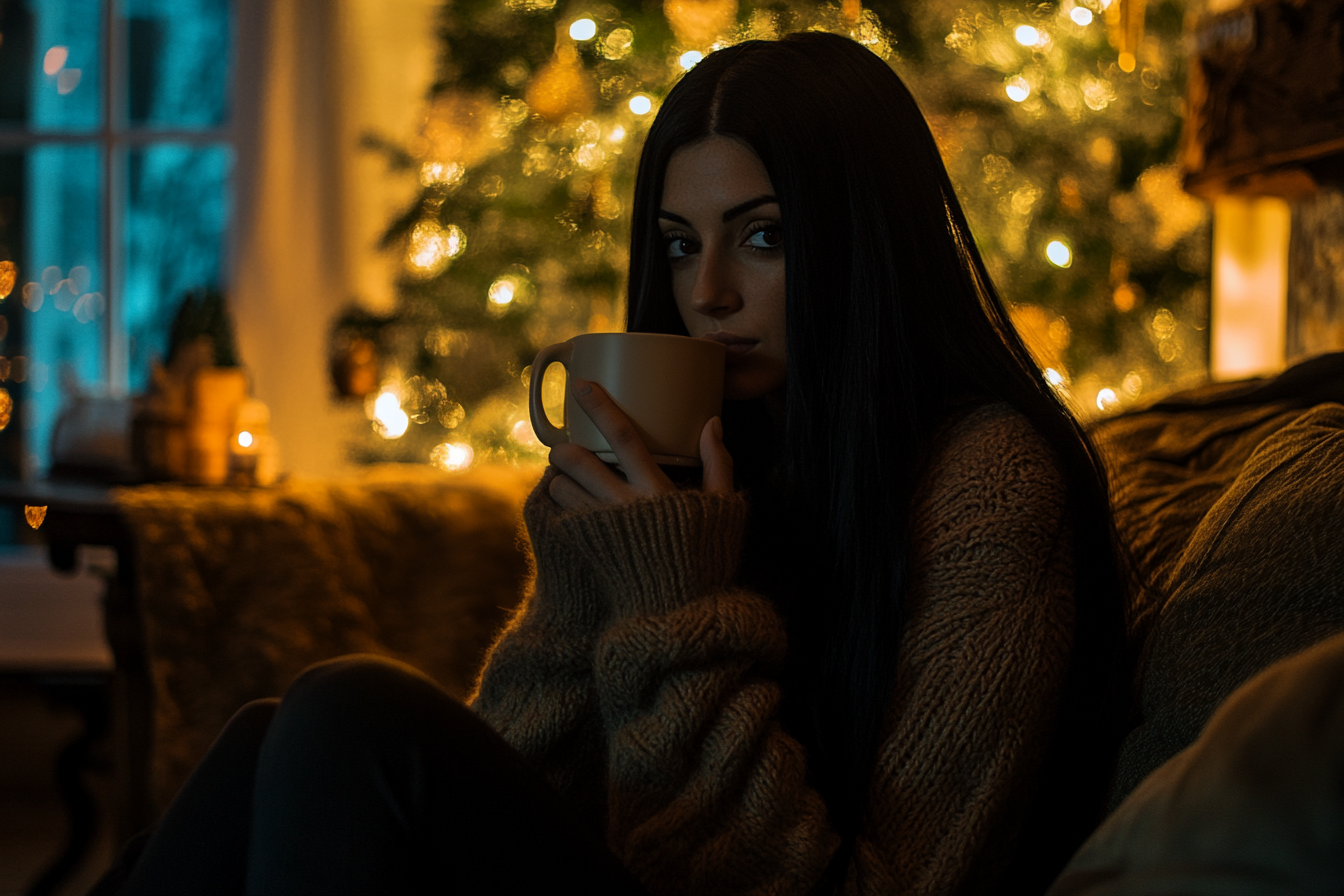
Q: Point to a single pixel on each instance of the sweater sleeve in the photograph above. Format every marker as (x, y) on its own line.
(536, 688)
(706, 792)
(983, 661)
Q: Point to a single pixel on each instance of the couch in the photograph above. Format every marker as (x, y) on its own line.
(1228, 497)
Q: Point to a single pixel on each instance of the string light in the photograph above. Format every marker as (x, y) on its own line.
(502, 291)
(1059, 254)
(583, 29)
(452, 456)
(389, 420)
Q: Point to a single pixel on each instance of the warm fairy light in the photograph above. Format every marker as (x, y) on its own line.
(1054, 377)
(690, 59)
(6, 408)
(244, 439)
(55, 60)
(452, 456)
(442, 173)
(641, 104)
(35, 514)
(431, 246)
(502, 291)
(583, 29)
(1059, 254)
(617, 134)
(1027, 36)
(1106, 399)
(523, 434)
(1082, 16)
(9, 274)
(389, 420)
(1017, 89)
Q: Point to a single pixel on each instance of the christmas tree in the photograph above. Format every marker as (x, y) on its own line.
(1058, 123)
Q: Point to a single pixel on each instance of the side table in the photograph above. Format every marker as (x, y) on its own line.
(78, 515)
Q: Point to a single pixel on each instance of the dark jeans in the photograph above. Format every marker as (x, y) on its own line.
(368, 778)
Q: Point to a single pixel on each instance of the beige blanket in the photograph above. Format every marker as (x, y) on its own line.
(243, 588)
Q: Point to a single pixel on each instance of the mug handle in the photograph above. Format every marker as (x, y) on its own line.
(550, 435)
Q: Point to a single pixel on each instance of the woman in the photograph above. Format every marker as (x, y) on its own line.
(885, 665)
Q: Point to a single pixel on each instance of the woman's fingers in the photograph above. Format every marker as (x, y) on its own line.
(718, 462)
(585, 470)
(570, 495)
(643, 472)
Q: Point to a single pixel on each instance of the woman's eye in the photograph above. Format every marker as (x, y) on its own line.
(679, 247)
(766, 238)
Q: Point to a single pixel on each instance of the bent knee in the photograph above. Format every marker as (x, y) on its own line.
(360, 689)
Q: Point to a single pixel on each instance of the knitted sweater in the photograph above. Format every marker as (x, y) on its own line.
(640, 680)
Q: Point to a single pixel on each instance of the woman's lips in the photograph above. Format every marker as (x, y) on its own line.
(736, 345)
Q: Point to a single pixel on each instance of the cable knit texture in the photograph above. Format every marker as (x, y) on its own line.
(642, 681)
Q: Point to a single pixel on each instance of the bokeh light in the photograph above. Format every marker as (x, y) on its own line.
(389, 420)
(55, 60)
(690, 59)
(1027, 36)
(583, 29)
(1107, 400)
(641, 104)
(1059, 254)
(9, 274)
(452, 456)
(244, 439)
(1082, 16)
(1017, 89)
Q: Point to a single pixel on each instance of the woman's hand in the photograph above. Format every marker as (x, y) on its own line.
(585, 482)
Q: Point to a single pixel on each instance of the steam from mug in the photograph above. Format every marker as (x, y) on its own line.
(669, 386)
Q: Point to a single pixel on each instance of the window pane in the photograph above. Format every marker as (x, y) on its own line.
(51, 64)
(59, 290)
(177, 217)
(179, 62)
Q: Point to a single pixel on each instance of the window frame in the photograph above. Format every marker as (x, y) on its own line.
(116, 137)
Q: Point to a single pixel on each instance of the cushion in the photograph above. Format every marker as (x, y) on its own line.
(1261, 578)
(1255, 806)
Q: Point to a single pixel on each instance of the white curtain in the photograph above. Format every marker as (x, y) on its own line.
(309, 203)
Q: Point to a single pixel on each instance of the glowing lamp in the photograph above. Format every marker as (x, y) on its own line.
(1249, 315)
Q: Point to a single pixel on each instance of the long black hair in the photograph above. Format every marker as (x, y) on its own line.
(893, 326)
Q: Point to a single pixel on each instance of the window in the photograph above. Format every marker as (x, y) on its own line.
(116, 149)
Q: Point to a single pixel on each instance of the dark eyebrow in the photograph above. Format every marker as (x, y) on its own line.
(744, 207)
(739, 209)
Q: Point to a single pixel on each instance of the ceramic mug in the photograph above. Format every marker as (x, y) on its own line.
(669, 386)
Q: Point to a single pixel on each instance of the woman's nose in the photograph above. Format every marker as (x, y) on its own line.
(716, 292)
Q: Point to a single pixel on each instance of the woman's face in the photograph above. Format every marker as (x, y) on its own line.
(721, 228)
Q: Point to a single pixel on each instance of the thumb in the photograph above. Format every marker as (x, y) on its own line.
(718, 462)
